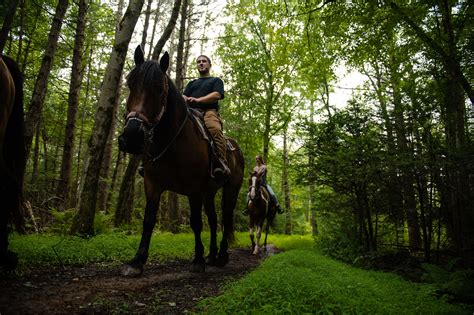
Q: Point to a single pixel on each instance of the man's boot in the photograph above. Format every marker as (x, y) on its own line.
(221, 170)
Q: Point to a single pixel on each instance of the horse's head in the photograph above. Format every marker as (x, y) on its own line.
(146, 103)
(254, 187)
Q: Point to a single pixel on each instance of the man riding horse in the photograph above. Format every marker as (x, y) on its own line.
(203, 95)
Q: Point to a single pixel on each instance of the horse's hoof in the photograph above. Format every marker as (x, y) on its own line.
(130, 270)
(222, 260)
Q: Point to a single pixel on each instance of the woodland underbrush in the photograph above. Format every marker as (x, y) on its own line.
(450, 280)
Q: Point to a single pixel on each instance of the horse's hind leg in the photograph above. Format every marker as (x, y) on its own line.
(135, 266)
(210, 209)
(195, 202)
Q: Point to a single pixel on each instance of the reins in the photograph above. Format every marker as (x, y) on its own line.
(154, 159)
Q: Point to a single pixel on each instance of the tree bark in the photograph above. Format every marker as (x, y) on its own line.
(7, 23)
(73, 103)
(41, 85)
(180, 62)
(312, 184)
(167, 32)
(123, 213)
(286, 185)
(147, 22)
(83, 222)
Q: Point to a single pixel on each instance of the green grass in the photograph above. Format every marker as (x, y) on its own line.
(301, 280)
(55, 250)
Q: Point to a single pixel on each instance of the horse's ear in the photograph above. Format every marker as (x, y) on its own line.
(139, 56)
(165, 62)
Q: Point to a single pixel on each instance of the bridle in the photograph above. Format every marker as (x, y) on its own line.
(149, 127)
(143, 119)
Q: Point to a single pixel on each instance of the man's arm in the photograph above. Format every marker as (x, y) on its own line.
(210, 98)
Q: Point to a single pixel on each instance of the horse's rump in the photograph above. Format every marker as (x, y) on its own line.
(12, 160)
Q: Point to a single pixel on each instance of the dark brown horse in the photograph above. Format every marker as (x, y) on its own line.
(177, 158)
(259, 209)
(12, 153)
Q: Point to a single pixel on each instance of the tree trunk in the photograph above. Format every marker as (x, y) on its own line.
(286, 185)
(64, 185)
(180, 62)
(41, 85)
(7, 23)
(147, 22)
(173, 204)
(120, 157)
(105, 169)
(84, 220)
(155, 22)
(167, 32)
(312, 184)
(123, 214)
(405, 155)
(173, 211)
(458, 169)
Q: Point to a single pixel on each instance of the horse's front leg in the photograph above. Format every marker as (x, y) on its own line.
(257, 245)
(252, 237)
(195, 202)
(135, 266)
(210, 209)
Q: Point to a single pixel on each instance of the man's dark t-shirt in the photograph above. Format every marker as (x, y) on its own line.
(202, 87)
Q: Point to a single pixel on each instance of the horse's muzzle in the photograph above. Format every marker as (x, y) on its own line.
(132, 139)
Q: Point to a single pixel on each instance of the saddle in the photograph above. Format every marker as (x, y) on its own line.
(198, 120)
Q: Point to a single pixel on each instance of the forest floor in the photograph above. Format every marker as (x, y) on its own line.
(165, 288)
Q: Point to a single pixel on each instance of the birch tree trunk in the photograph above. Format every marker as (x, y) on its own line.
(84, 220)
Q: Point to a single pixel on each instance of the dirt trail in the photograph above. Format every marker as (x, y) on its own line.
(165, 288)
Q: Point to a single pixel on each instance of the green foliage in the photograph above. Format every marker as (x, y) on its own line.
(117, 247)
(454, 286)
(301, 281)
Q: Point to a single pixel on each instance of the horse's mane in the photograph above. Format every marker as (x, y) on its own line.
(148, 76)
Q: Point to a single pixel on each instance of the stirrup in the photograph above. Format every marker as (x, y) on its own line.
(222, 170)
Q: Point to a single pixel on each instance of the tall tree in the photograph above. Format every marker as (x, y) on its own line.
(83, 222)
(37, 100)
(73, 103)
(168, 30)
(7, 22)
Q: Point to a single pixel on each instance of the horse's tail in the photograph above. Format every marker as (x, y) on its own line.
(14, 144)
(231, 190)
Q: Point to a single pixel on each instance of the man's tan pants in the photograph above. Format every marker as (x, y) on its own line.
(214, 125)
